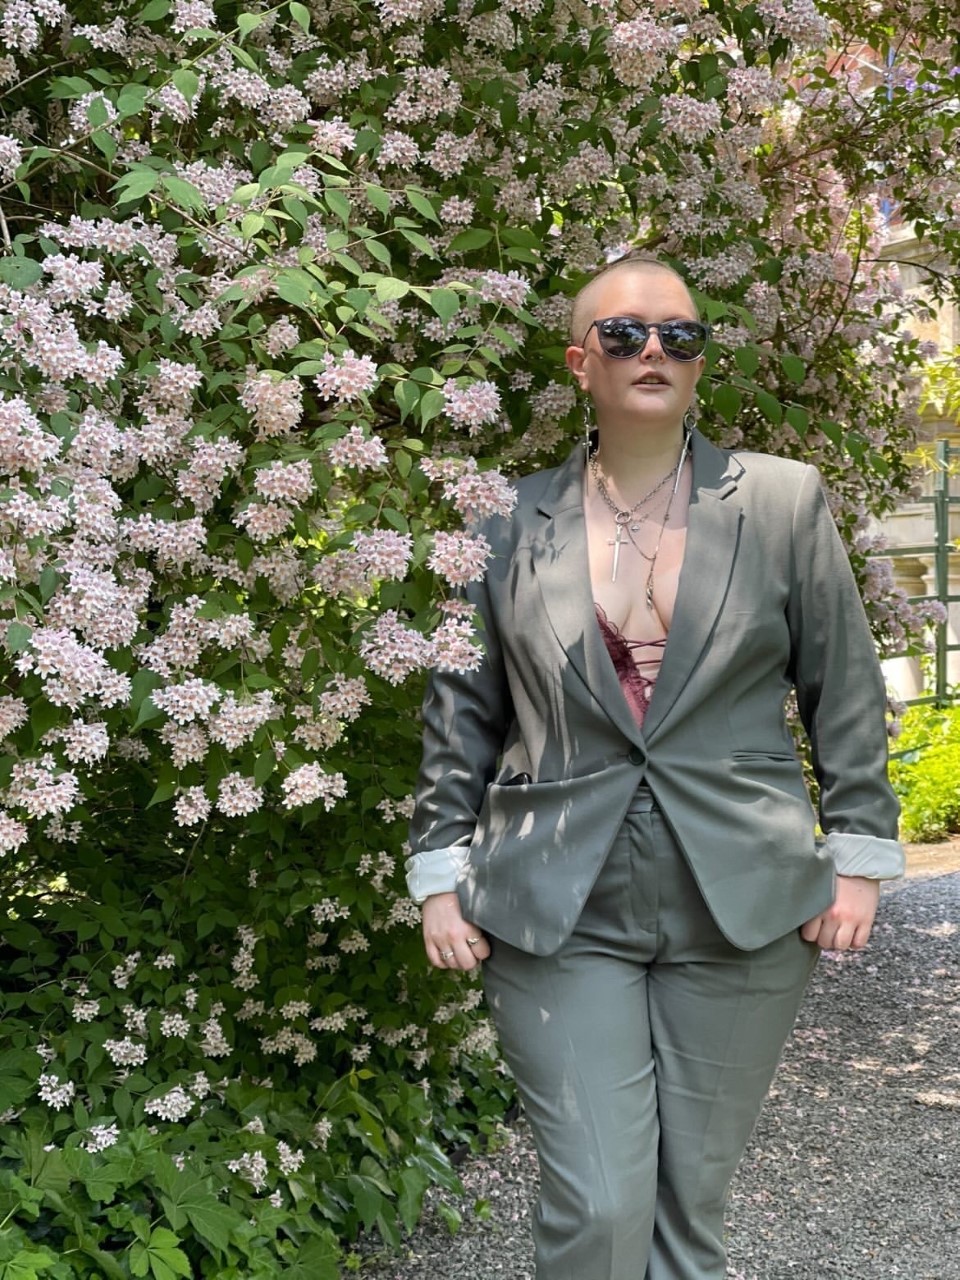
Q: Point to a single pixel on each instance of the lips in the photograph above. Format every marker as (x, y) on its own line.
(651, 380)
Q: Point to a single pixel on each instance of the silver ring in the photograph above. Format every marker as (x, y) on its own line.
(472, 942)
(445, 955)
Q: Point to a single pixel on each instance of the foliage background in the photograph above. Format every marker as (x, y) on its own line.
(283, 296)
(925, 772)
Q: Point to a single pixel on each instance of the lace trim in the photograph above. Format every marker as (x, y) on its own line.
(637, 686)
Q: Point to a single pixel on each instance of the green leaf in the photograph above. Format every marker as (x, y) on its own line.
(472, 238)
(97, 111)
(726, 400)
(19, 636)
(187, 81)
(154, 10)
(422, 205)
(770, 407)
(188, 1199)
(247, 22)
(252, 224)
(70, 87)
(104, 142)
(300, 14)
(419, 242)
(317, 1258)
(367, 1200)
(389, 288)
(407, 396)
(182, 192)
(432, 404)
(338, 204)
(379, 198)
(445, 302)
(452, 1217)
(163, 792)
(131, 100)
(148, 711)
(264, 765)
(798, 418)
(20, 273)
(793, 367)
(136, 184)
(296, 287)
(747, 360)
(377, 249)
(413, 1184)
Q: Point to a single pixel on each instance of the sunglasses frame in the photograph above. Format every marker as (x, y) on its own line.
(650, 329)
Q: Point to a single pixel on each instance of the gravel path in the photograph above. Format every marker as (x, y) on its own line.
(854, 1168)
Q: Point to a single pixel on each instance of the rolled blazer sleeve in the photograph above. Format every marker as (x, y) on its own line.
(840, 695)
(465, 721)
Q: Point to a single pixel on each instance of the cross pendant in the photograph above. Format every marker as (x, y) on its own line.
(615, 543)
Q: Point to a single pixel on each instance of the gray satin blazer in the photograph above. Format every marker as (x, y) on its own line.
(766, 603)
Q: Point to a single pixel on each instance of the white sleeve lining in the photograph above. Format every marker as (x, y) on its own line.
(435, 871)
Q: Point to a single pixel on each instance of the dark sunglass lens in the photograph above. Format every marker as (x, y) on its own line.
(683, 339)
(622, 337)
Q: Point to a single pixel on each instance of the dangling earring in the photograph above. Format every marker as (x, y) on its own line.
(689, 422)
(589, 427)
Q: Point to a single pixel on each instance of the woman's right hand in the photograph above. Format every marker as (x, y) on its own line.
(451, 941)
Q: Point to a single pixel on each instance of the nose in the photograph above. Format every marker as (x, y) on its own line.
(652, 350)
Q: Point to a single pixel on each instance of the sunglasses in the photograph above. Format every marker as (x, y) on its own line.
(621, 337)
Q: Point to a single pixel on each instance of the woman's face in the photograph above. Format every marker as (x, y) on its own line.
(648, 388)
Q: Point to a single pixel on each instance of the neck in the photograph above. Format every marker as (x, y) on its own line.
(637, 460)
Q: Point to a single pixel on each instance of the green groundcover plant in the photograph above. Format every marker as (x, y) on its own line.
(283, 301)
(925, 771)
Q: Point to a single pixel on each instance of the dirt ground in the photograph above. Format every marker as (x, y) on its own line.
(933, 859)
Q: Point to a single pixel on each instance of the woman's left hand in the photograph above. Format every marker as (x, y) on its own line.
(847, 924)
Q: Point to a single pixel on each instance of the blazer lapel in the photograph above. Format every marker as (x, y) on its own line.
(713, 535)
(561, 563)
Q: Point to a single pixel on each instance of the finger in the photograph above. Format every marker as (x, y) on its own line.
(862, 935)
(441, 955)
(810, 932)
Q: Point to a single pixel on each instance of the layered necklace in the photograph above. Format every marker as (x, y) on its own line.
(631, 519)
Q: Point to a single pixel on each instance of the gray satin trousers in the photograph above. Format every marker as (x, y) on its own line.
(642, 1050)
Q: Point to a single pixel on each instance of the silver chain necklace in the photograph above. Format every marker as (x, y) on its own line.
(629, 521)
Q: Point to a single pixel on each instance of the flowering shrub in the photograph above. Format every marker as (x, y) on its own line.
(282, 283)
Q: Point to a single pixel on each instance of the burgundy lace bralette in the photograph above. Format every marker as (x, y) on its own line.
(637, 686)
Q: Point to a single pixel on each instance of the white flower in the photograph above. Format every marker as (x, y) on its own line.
(100, 1136)
(174, 1105)
(252, 1167)
(174, 1026)
(289, 1160)
(56, 1094)
(125, 1052)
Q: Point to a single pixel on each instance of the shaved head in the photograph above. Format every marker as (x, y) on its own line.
(582, 315)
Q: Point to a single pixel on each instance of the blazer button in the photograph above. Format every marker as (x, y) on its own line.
(636, 756)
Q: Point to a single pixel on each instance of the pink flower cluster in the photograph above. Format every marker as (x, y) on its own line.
(308, 783)
(274, 403)
(690, 119)
(394, 651)
(383, 553)
(355, 450)
(474, 406)
(41, 788)
(346, 377)
(475, 494)
(285, 481)
(459, 557)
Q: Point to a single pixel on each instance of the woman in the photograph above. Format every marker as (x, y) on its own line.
(611, 815)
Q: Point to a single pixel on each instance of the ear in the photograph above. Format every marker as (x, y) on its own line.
(574, 357)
